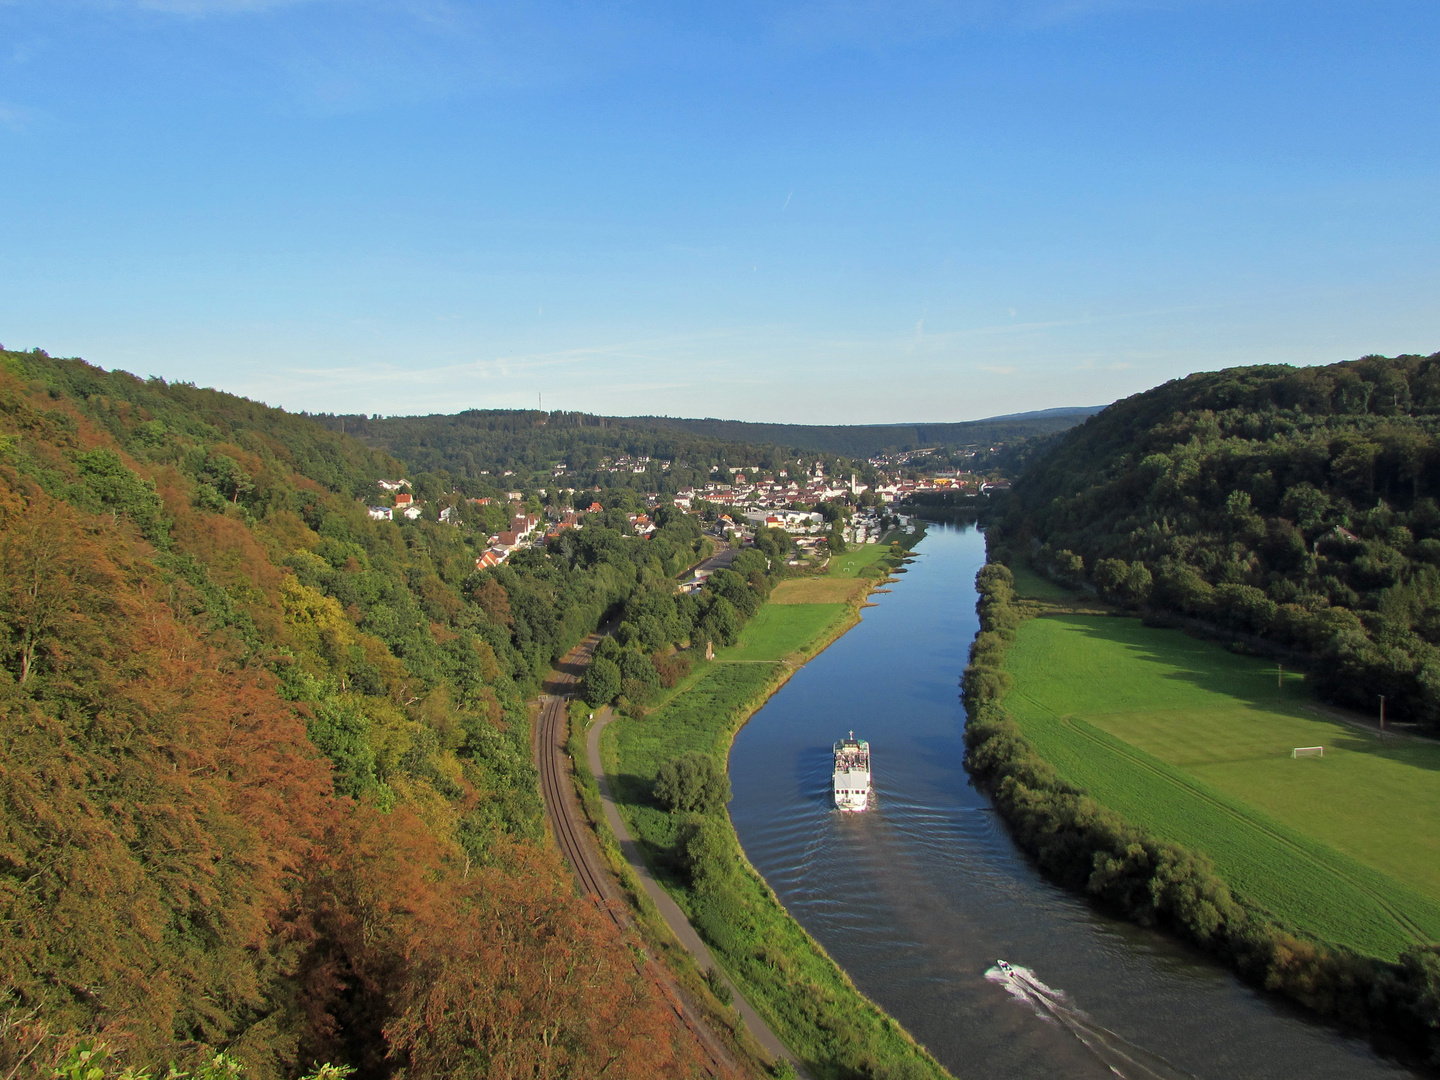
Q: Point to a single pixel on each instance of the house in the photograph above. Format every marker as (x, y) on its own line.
(569, 521)
(381, 513)
(594, 508)
(448, 516)
(507, 540)
(489, 559)
(411, 512)
(393, 485)
(404, 499)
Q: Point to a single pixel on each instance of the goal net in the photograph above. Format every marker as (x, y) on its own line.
(1308, 751)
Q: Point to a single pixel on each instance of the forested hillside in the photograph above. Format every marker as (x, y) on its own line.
(521, 448)
(266, 784)
(497, 447)
(1297, 505)
(867, 440)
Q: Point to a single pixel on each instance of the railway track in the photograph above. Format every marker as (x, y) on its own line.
(555, 785)
(577, 845)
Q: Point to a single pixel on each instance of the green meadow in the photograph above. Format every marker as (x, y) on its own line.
(851, 563)
(1032, 586)
(1193, 743)
(777, 630)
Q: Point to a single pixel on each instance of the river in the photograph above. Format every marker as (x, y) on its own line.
(918, 898)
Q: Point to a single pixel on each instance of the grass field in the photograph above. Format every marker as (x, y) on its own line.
(824, 590)
(852, 562)
(1031, 586)
(1193, 743)
(777, 630)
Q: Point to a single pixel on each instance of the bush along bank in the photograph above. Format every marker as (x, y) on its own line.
(675, 806)
(1093, 850)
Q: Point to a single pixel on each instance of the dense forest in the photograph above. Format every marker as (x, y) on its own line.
(481, 450)
(484, 450)
(861, 441)
(267, 784)
(1294, 508)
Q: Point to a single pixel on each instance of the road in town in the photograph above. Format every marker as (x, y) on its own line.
(721, 560)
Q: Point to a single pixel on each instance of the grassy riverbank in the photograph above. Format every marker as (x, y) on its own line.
(1193, 743)
(1147, 838)
(785, 974)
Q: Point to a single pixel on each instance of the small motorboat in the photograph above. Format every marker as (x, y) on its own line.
(1004, 966)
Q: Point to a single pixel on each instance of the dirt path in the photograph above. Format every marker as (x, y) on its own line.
(669, 910)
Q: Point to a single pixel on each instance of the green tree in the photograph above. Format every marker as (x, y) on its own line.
(692, 783)
(109, 486)
(601, 683)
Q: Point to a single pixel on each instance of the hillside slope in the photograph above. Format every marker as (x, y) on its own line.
(482, 449)
(267, 784)
(1297, 505)
(867, 440)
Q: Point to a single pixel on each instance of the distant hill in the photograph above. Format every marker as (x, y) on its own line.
(524, 444)
(868, 440)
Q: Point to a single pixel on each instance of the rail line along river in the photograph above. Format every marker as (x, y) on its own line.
(918, 897)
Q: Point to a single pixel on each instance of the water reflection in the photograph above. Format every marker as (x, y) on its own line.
(920, 896)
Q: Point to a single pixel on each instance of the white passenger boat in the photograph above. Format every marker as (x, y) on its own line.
(852, 774)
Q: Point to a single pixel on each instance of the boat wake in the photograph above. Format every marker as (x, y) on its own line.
(1120, 1056)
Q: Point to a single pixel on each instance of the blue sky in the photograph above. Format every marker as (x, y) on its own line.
(819, 212)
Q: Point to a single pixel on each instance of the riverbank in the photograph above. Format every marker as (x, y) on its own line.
(1103, 817)
(799, 990)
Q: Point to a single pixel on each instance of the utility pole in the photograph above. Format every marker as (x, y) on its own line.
(1382, 712)
(1279, 677)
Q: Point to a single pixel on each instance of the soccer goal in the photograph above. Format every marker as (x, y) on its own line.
(1308, 751)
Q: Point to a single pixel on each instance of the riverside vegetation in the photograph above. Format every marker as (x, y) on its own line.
(674, 807)
(1293, 514)
(1126, 867)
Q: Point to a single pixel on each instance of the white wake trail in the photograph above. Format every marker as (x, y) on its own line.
(1123, 1058)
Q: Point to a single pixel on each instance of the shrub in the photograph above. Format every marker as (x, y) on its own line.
(670, 669)
(692, 783)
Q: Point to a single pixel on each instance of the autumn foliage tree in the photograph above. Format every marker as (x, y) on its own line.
(265, 786)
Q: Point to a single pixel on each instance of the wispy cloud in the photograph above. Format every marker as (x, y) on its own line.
(15, 117)
(998, 369)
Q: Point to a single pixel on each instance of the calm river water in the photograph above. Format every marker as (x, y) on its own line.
(918, 898)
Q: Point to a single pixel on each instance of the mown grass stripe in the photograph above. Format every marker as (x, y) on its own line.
(1124, 688)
